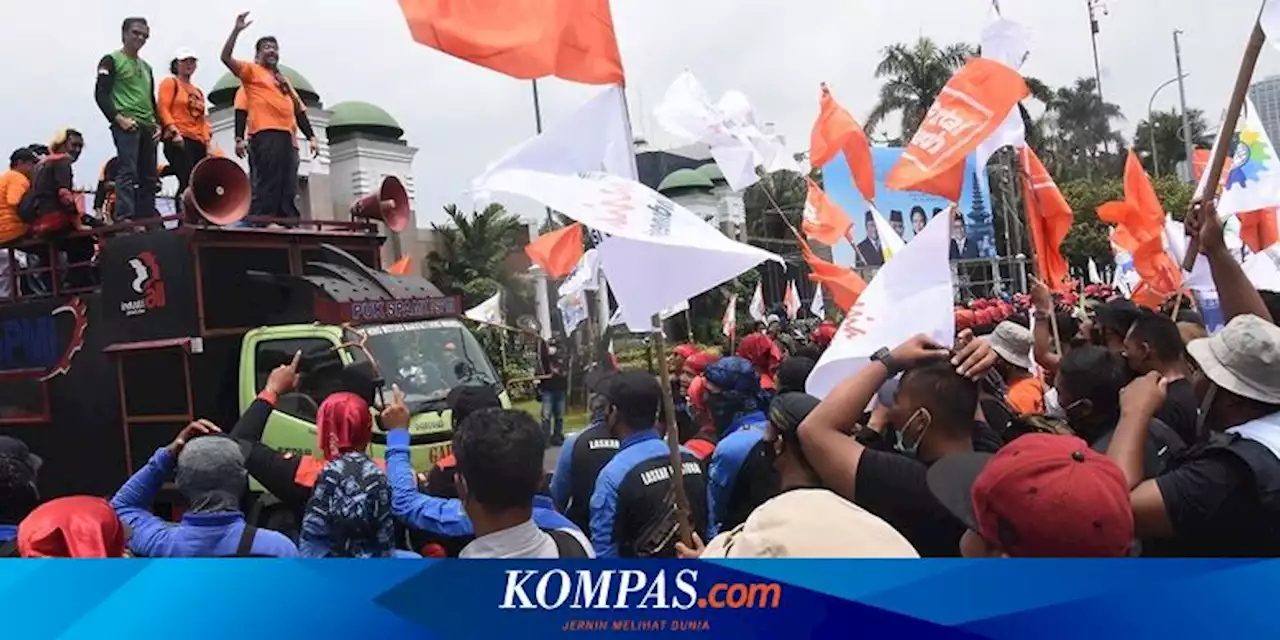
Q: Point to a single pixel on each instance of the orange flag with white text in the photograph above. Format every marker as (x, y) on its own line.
(401, 267)
(1049, 219)
(835, 131)
(844, 284)
(1139, 221)
(569, 39)
(557, 252)
(968, 110)
(824, 220)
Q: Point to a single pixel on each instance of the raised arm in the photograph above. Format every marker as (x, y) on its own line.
(132, 503)
(1236, 294)
(229, 48)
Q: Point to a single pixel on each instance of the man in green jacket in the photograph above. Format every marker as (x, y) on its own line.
(125, 92)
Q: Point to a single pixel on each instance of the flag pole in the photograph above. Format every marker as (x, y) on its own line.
(673, 438)
(1243, 78)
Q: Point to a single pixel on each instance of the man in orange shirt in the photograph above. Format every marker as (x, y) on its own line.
(14, 184)
(1013, 343)
(274, 109)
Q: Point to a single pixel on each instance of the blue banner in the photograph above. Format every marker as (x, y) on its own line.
(911, 210)
(999, 599)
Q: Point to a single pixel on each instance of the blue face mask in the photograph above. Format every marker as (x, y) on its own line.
(900, 442)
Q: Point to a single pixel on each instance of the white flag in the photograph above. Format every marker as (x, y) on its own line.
(1008, 42)
(791, 300)
(593, 138)
(1263, 269)
(1175, 244)
(1094, 276)
(910, 295)
(573, 310)
(757, 308)
(585, 275)
(657, 255)
(1271, 22)
(819, 305)
(891, 243)
(729, 127)
(619, 318)
(488, 312)
(729, 323)
(1253, 179)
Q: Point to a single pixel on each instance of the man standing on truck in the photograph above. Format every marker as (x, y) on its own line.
(53, 208)
(274, 110)
(126, 94)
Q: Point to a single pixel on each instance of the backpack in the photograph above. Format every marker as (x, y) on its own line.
(27, 206)
(567, 545)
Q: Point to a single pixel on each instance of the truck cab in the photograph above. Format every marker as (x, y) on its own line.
(188, 321)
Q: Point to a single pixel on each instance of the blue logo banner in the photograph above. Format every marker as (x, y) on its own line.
(1046, 599)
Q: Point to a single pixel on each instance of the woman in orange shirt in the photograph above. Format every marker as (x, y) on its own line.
(182, 112)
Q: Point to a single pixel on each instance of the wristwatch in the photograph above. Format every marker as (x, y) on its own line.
(883, 357)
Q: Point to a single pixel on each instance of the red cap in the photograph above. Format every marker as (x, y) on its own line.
(1048, 495)
(965, 319)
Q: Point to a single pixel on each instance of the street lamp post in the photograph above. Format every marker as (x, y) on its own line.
(1187, 141)
(1151, 123)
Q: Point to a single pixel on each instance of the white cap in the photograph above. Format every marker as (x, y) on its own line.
(185, 53)
(810, 523)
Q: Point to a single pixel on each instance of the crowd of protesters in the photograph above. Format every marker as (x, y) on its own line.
(1054, 427)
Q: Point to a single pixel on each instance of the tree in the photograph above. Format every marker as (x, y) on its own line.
(1170, 150)
(789, 190)
(914, 75)
(1081, 125)
(473, 251)
(1090, 237)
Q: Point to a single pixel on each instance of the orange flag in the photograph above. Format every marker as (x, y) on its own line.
(557, 252)
(835, 130)
(570, 39)
(844, 284)
(824, 220)
(1049, 218)
(1258, 229)
(401, 267)
(967, 111)
(1139, 221)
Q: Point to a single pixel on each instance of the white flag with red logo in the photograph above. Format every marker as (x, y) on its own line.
(910, 295)
(791, 300)
(730, 321)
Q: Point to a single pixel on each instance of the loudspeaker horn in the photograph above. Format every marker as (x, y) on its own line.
(219, 191)
(390, 205)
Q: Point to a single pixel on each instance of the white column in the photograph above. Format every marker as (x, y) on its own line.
(540, 287)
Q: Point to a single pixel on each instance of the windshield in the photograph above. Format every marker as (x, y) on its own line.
(428, 359)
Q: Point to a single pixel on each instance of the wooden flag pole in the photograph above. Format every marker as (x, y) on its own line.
(1243, 78)
(673, 440)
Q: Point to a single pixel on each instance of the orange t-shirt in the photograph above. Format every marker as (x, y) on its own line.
(1026, 396)
(269, 98)
(13, 186)
(182, 105)
(241, 103)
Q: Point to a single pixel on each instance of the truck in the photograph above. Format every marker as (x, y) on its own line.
(186, 321)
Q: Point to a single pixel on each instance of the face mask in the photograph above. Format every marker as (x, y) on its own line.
(900, 444)
(722, 410)
(552, 350)
(1052, 407)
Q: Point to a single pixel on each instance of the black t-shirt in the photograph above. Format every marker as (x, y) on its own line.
(1163, 445)
(1180, 409)
(552, 364)
(1213, 504)
(894, 487)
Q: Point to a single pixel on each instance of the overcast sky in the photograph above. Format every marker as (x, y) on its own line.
(461, 116)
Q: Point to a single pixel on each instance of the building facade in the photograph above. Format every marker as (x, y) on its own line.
(1265, 95)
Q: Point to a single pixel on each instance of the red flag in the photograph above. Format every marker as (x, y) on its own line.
(1049, 218)
(401, 267)
(824, 220)
(557, 252)
(968, 110)
(1139, 229)
(835, 130)
(570, 39)
(844, 284)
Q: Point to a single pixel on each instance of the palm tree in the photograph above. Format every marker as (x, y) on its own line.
(1082, 124)
(914, 77)
(473, 251)
(1170, 150)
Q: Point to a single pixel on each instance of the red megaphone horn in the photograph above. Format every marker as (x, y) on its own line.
(390, 205)
(219, 191)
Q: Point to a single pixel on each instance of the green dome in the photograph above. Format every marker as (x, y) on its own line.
(355, 116)
(712, 172)
(224, 92)
(685, 179)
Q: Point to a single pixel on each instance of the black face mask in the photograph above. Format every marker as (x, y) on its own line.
(723, 410)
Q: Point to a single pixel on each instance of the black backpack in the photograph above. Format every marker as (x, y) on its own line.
(567, 545)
